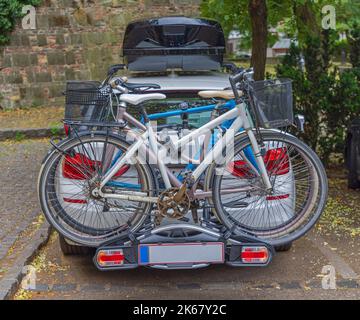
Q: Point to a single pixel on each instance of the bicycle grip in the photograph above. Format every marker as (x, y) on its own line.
(237, 77)
(233, 80)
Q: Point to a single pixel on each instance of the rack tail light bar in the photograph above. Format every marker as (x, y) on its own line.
(110, 258)
(255, 255)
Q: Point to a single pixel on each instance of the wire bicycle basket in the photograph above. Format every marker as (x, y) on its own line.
(87, 103)
(272, 102)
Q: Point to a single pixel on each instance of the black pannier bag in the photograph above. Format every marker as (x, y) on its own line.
(169, 43)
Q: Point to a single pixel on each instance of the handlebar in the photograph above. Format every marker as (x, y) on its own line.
(139, 86)
(121, 84)
(232, 67)
(115, 68)
(243, 74)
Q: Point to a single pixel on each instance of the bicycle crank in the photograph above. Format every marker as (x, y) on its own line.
(171, 205)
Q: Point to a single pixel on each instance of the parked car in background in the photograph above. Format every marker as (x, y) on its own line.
(352, 154)
(243, 55)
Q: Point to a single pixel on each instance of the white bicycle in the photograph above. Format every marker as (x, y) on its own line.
(103, 184)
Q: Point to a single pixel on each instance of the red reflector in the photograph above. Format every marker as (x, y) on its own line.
(276, 162)
(254, 255)
(67, 129)
(283, 196)
(74, 200)
(80, 167)
(107, 258)
(240, 169)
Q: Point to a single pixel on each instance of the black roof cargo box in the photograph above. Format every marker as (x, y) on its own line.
(161, 44)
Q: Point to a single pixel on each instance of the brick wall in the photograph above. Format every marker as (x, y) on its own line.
(74, 39)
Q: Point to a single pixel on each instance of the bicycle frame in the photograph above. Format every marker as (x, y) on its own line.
(227, 105)
(179, 112)
(238, 113)
(199, 109)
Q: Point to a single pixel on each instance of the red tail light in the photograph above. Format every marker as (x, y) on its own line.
(66, 129)
(80, 167)
(257, 255)
(108, 258)
(276, 162)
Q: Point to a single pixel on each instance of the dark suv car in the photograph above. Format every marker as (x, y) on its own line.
(352, 154)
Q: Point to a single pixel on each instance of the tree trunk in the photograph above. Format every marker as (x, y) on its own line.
(306, 23)
(259, 30)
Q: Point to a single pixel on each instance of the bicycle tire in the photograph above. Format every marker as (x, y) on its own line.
(62, 221)
(294, 230)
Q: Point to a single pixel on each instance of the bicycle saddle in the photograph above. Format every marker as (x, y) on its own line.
(223, 94)
(134, 86)
(136, 99)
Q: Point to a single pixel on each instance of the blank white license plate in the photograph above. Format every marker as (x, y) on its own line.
(181, 253)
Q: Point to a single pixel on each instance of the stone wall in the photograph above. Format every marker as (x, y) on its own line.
(74, 39)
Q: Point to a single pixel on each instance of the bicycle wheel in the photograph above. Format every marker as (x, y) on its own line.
(299, 194)
(66, 182)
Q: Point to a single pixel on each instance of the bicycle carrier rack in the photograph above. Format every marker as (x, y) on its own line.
(183, 246)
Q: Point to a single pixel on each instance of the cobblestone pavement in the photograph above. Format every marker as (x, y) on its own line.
(296, 274)
(19, 167)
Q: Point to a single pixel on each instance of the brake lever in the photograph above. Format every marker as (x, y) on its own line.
(115, 68)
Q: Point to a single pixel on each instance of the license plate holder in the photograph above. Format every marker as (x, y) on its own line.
(181, 253)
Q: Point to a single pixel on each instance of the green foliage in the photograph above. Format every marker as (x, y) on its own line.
(354, 42)
(10, 11)
(19, 136)
(347, 13)
(342, 105)
(231, 14)
(234, 15)
(327, 99)
(306, 99)
(55, 130)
